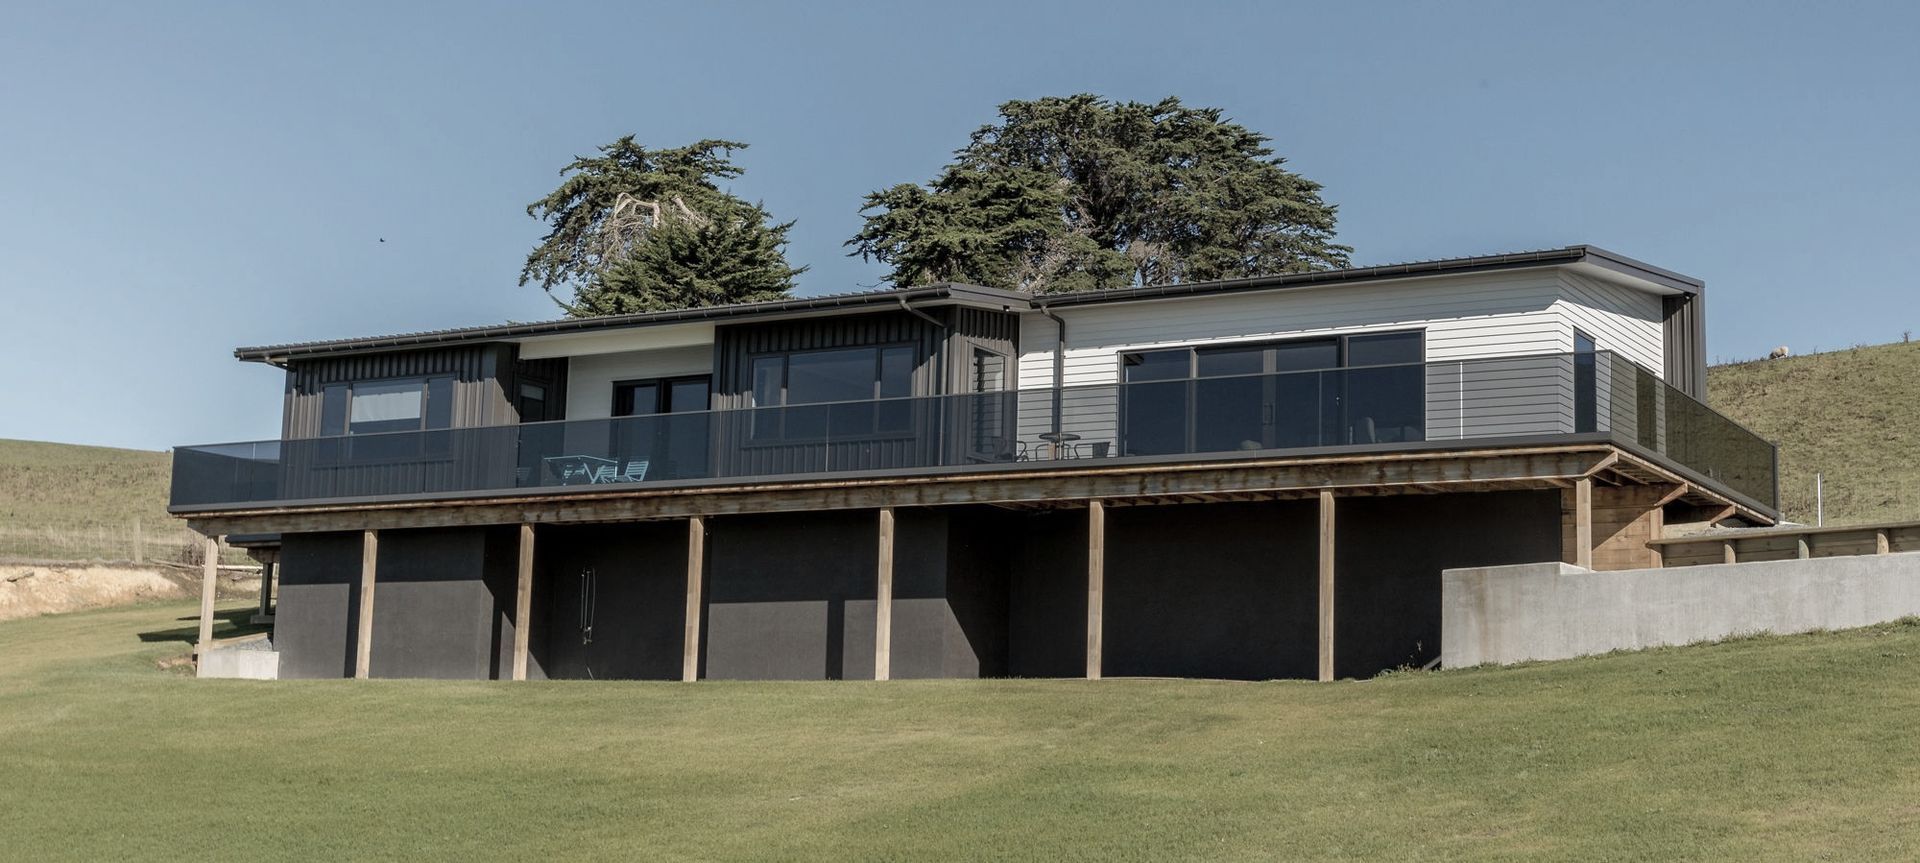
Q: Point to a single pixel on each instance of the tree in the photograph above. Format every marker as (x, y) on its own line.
(1080, 193)
(635, 230)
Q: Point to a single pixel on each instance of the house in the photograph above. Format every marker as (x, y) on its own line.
(1258, 478)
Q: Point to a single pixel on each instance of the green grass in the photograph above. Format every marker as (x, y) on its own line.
(1796, 748)
(1852, 415)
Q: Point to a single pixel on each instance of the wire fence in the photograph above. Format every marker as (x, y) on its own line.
(136, 541)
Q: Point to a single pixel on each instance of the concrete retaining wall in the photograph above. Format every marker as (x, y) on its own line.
(1509, 614)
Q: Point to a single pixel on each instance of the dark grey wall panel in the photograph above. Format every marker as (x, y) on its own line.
(1389, 553)
(790, 597)
(980, 557)
(636, 596)
(314, 621)
(1047, 596)
(1212, 590)
(434, 610)
(480, 374)
(1685, 337)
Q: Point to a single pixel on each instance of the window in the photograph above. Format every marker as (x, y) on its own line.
(1586, 393)
(381, 408)
(843, 382)
(669, 425)
(1358, 389)
(533, 403)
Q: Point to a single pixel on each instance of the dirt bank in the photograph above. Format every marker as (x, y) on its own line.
(26, 591)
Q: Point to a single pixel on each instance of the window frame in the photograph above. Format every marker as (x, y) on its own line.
(758, 431)
(431, 447)
(1193, 350)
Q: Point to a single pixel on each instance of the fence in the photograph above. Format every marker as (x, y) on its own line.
(136, 541)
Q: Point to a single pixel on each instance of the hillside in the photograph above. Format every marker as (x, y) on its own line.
(62, 501)
(1852, 415)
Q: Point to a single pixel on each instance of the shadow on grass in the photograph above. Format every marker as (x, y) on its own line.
(228, 624)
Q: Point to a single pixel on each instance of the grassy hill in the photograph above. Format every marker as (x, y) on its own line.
(1852, 415)
(1795, 748)
(62, 501)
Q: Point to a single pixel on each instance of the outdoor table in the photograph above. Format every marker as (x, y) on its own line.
(1059, 440)
(568, 467)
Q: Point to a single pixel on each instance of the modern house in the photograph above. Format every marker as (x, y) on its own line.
(1258, 478)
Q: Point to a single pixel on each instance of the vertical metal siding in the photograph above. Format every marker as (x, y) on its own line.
(1685, 331)
(734, 349)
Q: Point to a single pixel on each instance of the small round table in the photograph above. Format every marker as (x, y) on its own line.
(1060, 440)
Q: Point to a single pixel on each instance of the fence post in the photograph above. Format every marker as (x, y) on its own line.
(139, 543)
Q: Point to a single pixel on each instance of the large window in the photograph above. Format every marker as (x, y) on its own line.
(668, 428)
(380, 408)
(833, 393)
(1305, 392)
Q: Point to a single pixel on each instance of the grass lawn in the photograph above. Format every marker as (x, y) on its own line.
(1796, 748)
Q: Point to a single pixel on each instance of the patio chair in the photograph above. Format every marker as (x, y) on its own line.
(603, 473)
(635, 471)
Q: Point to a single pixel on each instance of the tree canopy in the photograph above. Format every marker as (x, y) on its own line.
(1080, 193)
(634, 230)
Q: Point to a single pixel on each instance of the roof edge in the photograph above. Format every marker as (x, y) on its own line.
(971, 294)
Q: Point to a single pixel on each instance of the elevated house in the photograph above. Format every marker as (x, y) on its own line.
(1259, 478)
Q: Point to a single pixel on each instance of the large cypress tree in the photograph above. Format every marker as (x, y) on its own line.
(636, 230)
(1080, 193)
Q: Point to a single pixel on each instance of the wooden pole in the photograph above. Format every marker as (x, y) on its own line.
(269, 562)
(363, 652)
(1583, 522)
(1801, 548)
(1326, 584)
(1881, 542)
(1096, 583)
(883, 601)
(1727, 553)
(209, 580)
(139, 543)
(523, 604)
(696, 559)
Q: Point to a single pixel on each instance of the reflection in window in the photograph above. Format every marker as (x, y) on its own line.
(1332, 391)
(380, 408)
(833, 393)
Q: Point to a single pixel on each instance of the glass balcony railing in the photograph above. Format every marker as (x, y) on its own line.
(1551, 396)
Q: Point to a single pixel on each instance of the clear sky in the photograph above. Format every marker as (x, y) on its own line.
(178, 179)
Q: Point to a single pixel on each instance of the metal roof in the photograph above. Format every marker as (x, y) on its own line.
(948, 293)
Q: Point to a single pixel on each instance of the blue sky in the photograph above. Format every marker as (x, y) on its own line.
(179, 179)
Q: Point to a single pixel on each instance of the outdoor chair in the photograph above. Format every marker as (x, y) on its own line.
(603, 473)
(634, 472)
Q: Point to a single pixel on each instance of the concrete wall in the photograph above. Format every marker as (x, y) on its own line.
(1556, 610)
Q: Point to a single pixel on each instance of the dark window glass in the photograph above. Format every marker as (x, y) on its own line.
(896, 382)
(333, 410)
(1158, 365)
(1306, 356)
(1386, 349)
(533, 403)
(638, 399)
(1585, 384)
(688, 394)
(439, 403)
(1221, 362)
(1156, 395)
(830, 376)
